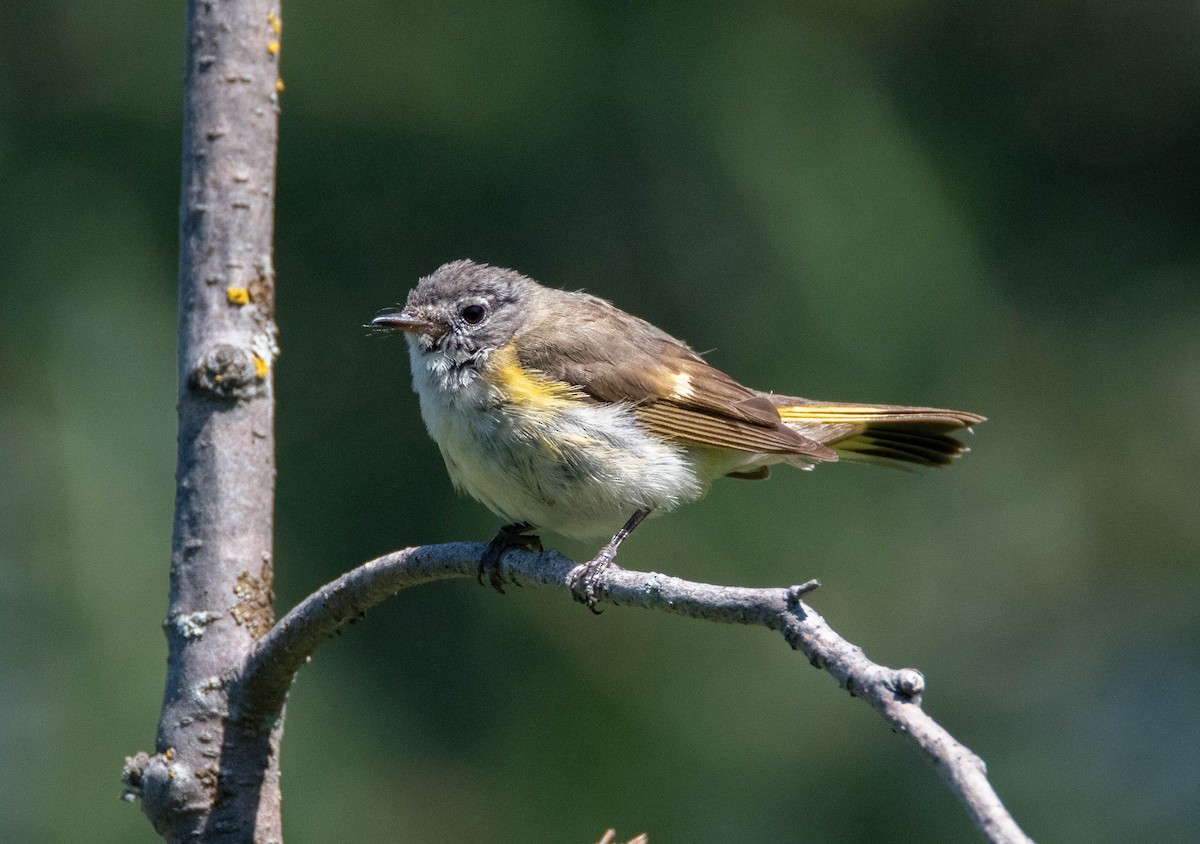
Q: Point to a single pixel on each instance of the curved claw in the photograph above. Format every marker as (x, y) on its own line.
(489, 564)
(586, 583)
(509, 536)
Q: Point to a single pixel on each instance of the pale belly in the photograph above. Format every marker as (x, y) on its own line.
(580, 471)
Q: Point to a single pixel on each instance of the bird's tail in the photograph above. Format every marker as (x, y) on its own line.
(883, 434)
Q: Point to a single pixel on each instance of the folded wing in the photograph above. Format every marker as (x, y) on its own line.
(670, 388)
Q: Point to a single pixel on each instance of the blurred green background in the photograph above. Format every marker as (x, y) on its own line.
(988, 206)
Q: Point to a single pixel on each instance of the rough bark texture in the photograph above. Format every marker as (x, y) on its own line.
(259, 692)
(221, 565)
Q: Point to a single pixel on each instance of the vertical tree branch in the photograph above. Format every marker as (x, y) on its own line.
(221, 567)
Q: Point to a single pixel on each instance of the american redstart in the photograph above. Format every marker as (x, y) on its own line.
(558, 410)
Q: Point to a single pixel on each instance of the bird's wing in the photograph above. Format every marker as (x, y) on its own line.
(612, 356)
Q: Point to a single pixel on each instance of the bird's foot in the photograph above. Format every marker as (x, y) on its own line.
(509, 536)
(587, 581)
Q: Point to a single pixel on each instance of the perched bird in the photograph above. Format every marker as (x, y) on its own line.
(560, 411)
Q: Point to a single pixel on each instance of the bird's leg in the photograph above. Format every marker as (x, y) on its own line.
(510, 536)
(585, 582)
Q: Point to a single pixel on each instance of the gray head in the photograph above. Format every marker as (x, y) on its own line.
(463, 308)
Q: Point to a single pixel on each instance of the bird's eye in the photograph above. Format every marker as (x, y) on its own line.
(474, 314)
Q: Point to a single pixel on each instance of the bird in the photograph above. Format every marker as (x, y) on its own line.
(561, 412)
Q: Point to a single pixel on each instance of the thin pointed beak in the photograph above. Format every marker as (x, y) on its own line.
(409, 323)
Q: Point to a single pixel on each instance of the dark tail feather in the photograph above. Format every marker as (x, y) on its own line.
(887, 435)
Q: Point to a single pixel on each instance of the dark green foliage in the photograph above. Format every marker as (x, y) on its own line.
(983, 206)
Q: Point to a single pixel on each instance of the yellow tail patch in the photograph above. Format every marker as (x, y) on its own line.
(886, 414)
(831, 413)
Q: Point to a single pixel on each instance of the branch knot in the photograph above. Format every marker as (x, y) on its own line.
(910, 683)
(227, 372)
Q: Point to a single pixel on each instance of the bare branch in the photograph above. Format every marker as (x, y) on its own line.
(259, 694)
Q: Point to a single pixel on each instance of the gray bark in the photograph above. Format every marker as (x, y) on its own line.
(894, 693)
(221, 598)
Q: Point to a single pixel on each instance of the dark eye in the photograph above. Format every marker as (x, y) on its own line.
(474, 314)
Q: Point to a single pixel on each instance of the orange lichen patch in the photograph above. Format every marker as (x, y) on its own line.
(279, 85)
(253, 607)
(275, 21)
(238, 295)
(261, 368)
(273, 47)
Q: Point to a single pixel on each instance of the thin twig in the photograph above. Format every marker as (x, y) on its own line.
(895, 694)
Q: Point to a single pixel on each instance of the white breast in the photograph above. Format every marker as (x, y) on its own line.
(580, 471)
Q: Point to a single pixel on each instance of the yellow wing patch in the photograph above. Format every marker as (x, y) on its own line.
(527, 387)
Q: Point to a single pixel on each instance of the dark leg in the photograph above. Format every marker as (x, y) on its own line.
(509, 536)
(584, 584)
